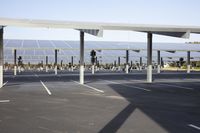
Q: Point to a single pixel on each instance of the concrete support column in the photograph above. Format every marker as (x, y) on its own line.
(15, 62)
(92, 68)
(56, 61)
(119, 65)
(127, 59)
(47, 64)
(188, 61)
(1, 57)
(158, 61)
(81, 57)
(149, 58)
(19, 68)
(140, 63)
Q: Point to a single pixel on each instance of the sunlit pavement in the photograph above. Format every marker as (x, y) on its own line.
(35, 102)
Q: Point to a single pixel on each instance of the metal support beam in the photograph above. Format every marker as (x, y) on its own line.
(158, 61)
(81, 57)
(161, 62)
(115, 63)
(1, 57)
(140, 63)
(95, 32)
(127, 59)
(56, 61)
(15, 62)
(19, 66)
(149, 57)
(47, 64)
(188, 61)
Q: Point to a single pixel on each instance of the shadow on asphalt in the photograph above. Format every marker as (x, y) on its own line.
(169, 111)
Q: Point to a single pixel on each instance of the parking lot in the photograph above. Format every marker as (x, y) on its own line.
(37, 102)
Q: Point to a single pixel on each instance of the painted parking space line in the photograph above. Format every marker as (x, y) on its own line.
(192, 80)
(182, 80)
(36, 75)
(168, 80)
(135, 87)
(4, 101)
(98, 90)
(135, 80)
(181, 87)
(193, 126)
(5, 83)
(48, 91)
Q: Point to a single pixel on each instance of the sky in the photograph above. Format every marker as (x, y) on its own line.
(167, 12)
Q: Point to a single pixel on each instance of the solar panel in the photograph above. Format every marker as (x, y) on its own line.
(30, 44)
(45, 44)
(60, 44)
(47, 48)
(14, 43)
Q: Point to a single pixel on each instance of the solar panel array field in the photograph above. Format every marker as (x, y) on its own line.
(35, 51)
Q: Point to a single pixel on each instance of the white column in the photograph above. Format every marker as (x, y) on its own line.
(127, 58)
(127, 66)
(149, 58)
(188, 61)
(55, 69)
(15, 62)
(15, 70)
(81, 57)
(92, 68)
(158, 61)
(1, 57)
(96, 68)
(19, 69)
(72, 69)
(46, 69)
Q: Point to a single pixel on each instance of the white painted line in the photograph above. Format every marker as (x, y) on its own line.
(139, 81)
(48, 91)
(135, 87)
(135, 80)
(36, 75)
(5, 83)
(89, 87)
(116, 97)
(181, 87)
(196, 127)
(4, 101)
(197, 80)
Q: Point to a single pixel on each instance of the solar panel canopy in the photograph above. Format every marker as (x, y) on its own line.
(35, 51)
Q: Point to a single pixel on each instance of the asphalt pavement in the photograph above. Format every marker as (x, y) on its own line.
(108, 102)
